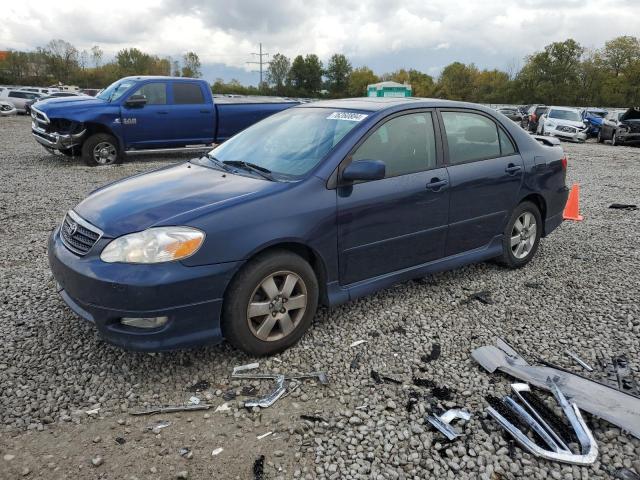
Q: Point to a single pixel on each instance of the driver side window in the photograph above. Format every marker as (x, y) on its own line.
(156, 93)
(405, 144)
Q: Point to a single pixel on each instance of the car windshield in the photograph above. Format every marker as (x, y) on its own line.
(565, 115)
(594, 113)
(290, 143)
(115, 90)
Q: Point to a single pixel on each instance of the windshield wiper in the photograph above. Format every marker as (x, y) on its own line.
(217, 162)
(252, 167)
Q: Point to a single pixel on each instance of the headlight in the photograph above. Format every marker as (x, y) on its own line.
(154, 245)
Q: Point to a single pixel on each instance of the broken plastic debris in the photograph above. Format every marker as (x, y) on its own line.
(184, 452)
(159, 425)
(260, 437)
(357, 342)
(258, 468)
(217, 451)
(199, 386)
(443, 422)
(222, 408)
(244, 368)
(269, 399)
(194, 400)
(483, 297)
(181, 408)
(92, 412)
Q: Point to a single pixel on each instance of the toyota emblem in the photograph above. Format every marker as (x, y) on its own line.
(73, 228)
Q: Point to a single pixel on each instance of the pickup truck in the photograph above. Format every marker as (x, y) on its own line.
(145, 114)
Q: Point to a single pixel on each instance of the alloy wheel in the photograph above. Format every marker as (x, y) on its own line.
(277, 306)
(523, 235)
(104, 153)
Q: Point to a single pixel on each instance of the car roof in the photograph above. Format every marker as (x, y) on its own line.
(568, 109)
(374, 104)
(160, 77)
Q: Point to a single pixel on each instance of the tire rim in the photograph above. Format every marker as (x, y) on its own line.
(104, 153)
(277, 306)
(523, 235)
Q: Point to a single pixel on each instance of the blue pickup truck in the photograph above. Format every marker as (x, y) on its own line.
(146, 114)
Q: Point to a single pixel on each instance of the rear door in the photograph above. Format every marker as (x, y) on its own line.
(192, 113)
(399, 221)
(149, 125)
(485, 175)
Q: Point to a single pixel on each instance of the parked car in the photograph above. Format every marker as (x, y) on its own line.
(20, 99)
(533, 117)
(40, 90)
(7, 109)
(621, 127)
(512, 114)
(144, 114)
(564, 123)
(321, 203)
(592, 118)
(92, 92)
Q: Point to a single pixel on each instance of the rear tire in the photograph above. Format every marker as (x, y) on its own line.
(270, 303)
(101, 149)
(521, 236)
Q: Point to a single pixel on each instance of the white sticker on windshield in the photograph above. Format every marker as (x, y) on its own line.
(349, 116)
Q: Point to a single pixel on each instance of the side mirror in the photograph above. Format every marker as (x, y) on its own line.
(136, 101)
(364, 170)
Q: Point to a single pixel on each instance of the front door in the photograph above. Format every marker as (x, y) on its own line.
(399, 221)
(485, 174)
(149, 125)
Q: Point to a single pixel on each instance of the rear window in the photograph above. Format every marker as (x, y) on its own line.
(187, 93)
(470, 137)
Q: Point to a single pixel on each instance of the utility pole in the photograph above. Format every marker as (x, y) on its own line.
(260, 62)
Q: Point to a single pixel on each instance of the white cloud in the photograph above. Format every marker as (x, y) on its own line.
(226, 31)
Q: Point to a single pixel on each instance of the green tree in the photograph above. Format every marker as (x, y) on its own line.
(191, 65)
(305, 75)
(132, 61)
(337, 73)
(62, 58)
(458, 82)
(620, 53)
(358, 80)
(277, 72)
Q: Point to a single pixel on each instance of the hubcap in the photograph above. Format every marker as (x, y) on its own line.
(104, 153)
(523, 235)
(277, 306)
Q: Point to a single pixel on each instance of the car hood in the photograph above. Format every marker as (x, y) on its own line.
(570, 123)
(632, 114)
(54, 105)
(155, 198)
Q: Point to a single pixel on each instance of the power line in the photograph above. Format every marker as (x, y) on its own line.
(260, 62)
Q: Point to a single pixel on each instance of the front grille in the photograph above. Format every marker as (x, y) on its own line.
(78, 235)
(564, 128)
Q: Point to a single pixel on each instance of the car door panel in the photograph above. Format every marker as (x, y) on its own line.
(399, 221)
(149, 125)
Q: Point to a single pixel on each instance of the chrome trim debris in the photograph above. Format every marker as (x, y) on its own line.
(443, 422)
(579, 361)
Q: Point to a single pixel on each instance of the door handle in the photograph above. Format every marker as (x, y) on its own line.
(512, 169)
(436, 184)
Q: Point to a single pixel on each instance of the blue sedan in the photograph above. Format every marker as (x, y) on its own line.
(318, 204)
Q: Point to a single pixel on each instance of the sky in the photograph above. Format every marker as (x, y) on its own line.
(384, 35)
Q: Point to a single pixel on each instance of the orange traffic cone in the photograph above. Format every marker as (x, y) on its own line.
(572, 208)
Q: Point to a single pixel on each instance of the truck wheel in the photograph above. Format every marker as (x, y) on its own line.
(101, 149)
(521, 236)
(270, 303)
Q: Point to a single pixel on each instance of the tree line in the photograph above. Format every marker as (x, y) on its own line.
(564, 73)
(60, 62)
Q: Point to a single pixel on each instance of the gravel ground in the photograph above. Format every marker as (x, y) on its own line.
(580, 292)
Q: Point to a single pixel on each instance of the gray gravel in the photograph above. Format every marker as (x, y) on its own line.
(581, 293)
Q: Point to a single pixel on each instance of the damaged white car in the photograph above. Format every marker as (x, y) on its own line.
(7, 109)
(564, 123)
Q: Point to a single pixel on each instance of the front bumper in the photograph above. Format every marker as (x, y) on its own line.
(103, 293)
(579, 136)
(627, 137)
(56, 141)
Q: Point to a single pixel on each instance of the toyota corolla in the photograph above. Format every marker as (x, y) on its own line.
(319, 204)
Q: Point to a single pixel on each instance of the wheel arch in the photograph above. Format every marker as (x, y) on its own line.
(93, 128)
(539, 201)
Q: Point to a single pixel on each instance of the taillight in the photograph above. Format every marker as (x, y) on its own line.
(564, 162)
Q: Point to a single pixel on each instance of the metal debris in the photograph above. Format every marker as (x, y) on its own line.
(617, 373)
(579, 361)
(611, 404)
(217, 451)
(443, 422)
(269, 399)
(159, 425)
(194, 400)
(264, 435)
(357, 342)
(559, 452)
(183, 408)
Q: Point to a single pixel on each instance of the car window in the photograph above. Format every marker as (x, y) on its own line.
(18, 94)
(564, 115)
(155, 93)
(506, 145)
(187, 93)
(470, 137)
(405, 144)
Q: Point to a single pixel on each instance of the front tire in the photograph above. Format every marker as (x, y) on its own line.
(600, 139)
(521, 236)
(101, 149)
(270, 303)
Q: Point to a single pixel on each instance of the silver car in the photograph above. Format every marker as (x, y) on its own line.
(7, 109)
(20, 99)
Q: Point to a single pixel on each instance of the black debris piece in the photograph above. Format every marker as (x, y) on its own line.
(384, 378)
(120, 440)
(229, 395)
(483, 297)
(442, 393)
(623, 206)
(423, 382)
(506, 412)
(376, 377)
(184, 451)
(485, 428)
(436, 349)
(413, 399)
(626, 474)
(312, 418)
(536, 285)
(249, 391)
(511, 445)
(355, 363)
(258, 468)
(559, 425)
(374, 333)
(618, 374)
(399, 329)
(200, 386)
